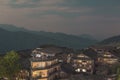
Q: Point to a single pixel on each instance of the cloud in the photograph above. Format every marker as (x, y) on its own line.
(68, 16)
(68, 12)
(33, 3)
(51, 2)
(22, 1)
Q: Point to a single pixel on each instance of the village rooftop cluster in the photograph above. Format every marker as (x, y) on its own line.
(55, 63)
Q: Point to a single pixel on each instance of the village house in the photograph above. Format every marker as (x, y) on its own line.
(82, 63)
(107, 58)
(53, 63)
(45, 65)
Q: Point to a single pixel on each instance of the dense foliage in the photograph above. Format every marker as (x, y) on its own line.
(9, 65)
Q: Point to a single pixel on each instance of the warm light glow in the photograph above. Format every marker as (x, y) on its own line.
(38, 55)
(77, 70)
(84, 70)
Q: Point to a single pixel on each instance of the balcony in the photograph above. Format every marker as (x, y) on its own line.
(38, 59)
(54, 74)
(47, 67)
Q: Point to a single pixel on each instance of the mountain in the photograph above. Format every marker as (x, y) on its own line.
(112, 41)
(18, 39)
(13, 28)
(87, 36)
(10, 27)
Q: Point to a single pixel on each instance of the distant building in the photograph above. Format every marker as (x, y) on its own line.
(99, 51)
(82, 63)
(107, 58)
(44, 66)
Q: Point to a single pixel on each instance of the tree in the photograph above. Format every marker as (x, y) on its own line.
(9, 65)
(118, 74)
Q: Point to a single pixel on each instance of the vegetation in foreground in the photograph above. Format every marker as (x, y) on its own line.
(9, 65)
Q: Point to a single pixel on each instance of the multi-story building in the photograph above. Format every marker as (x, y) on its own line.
(44, 66)
(107, 58)
(82, 63)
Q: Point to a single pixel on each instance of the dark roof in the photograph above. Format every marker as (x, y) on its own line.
(78, 57)
(51, 50)
(42, 59)
(92, 54)
(82, 58)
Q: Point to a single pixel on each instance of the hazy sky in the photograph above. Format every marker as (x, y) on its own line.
(96, 17)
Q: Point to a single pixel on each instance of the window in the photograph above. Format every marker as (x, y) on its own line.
(77, 70)
(38, 55)
(41, 74)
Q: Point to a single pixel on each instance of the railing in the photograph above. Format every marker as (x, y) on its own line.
(34, 59)
(47, 67)
(49, 75)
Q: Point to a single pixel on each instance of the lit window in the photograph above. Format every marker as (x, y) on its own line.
(79, 61)
(77, 70)
(38, 55)
(84, 70)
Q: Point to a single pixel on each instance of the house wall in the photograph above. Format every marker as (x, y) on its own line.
(107, 60)
(43, 64)
(48, 72)
(83, 64)
(41, 73)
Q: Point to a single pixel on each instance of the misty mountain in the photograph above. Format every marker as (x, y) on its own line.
(57, 35)
(87, 36)
(10, 27)
(18, 39)
(112, 41)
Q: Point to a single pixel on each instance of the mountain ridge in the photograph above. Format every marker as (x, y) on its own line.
(13, 28)
(19, 40)
(111, 41)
